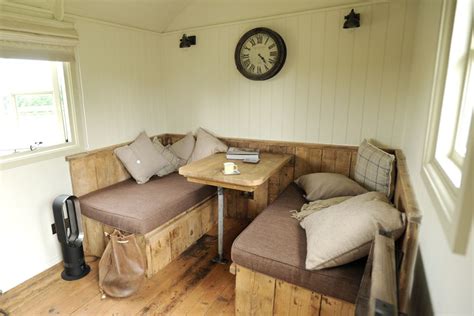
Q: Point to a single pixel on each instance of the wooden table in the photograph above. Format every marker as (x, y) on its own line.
(209, 171)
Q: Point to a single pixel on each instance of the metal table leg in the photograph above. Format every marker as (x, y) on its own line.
(220, 227)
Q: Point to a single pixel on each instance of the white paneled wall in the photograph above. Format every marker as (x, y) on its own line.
(337, 86)
(120, 80)
(440, 274)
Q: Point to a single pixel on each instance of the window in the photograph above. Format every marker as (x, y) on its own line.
(40, 108)
(33, 105)
(447, 158)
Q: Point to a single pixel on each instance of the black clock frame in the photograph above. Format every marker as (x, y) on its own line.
(278, 63)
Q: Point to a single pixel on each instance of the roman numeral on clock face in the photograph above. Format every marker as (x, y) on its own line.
(274, 53)
(259, 38)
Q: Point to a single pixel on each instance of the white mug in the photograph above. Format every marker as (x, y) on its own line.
(230, 167)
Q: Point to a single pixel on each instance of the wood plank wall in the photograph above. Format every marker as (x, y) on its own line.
(338, 86)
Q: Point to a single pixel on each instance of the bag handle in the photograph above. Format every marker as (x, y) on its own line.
(120, 236)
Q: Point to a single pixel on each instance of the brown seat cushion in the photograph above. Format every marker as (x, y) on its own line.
(140, 208)
(274, 244)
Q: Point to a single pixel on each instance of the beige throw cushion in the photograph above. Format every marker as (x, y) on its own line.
(184, 147)
(206, 145)
(375, 169)
(174, 162)
(141, 159)
(321, 186)
(344, 232)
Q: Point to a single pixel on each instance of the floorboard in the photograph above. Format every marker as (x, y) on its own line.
(191, 285)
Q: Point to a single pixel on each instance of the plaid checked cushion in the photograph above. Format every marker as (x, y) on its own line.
(375, 169)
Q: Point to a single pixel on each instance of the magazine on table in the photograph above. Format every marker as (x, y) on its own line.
(243, 153)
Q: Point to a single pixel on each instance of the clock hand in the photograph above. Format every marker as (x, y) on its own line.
(262, 58)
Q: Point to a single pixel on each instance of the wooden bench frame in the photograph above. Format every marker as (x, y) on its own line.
(407, 247)
(260, 294)
(96, 169)
(163, 244)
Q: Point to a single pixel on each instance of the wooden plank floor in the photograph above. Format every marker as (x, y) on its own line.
(192, 284)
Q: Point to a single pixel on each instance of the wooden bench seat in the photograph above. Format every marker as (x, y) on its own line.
(167, 214)
(140, 208)
(274, 244)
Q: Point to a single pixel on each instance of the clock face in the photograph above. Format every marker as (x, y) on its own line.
(260, 54)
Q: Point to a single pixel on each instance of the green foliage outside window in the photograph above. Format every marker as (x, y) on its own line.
(26, 100)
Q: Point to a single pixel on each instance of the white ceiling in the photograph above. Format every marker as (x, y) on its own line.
(171, 15)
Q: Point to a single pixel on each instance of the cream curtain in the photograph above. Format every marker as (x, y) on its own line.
(25, 37)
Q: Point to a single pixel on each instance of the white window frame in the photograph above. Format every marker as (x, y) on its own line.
(449, 179)
(75, 116)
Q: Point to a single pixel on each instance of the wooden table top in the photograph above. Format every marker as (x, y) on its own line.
(209, 171)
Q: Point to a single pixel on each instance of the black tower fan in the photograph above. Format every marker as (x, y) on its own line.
(68, 226)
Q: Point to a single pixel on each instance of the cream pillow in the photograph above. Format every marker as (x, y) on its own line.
(206, 145)
(184, 147)
(344, 232)
(174, 162)
(375, 169)
(321, 186)
(141, 159)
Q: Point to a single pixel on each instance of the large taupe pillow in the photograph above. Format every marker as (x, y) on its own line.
(206, 145)
(375, 169)
(141, 158)
(321, 186)
(344, 232)
(184, 147)
(174, 162)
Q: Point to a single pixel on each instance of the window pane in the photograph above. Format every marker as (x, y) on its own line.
(32, 105)
(466, 113)
(453, 110)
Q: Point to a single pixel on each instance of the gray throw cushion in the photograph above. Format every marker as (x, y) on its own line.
(344, 232)
(184, 147)
(206, 145)
(375, 169)
(321, 186)
(141, 159)
(174, 162)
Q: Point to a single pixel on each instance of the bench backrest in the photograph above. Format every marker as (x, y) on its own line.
(100, 168)
(96, 169)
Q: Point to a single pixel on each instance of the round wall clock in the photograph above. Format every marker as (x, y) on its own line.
(260, 54)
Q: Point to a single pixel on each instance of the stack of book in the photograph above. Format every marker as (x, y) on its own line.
(247, 154)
